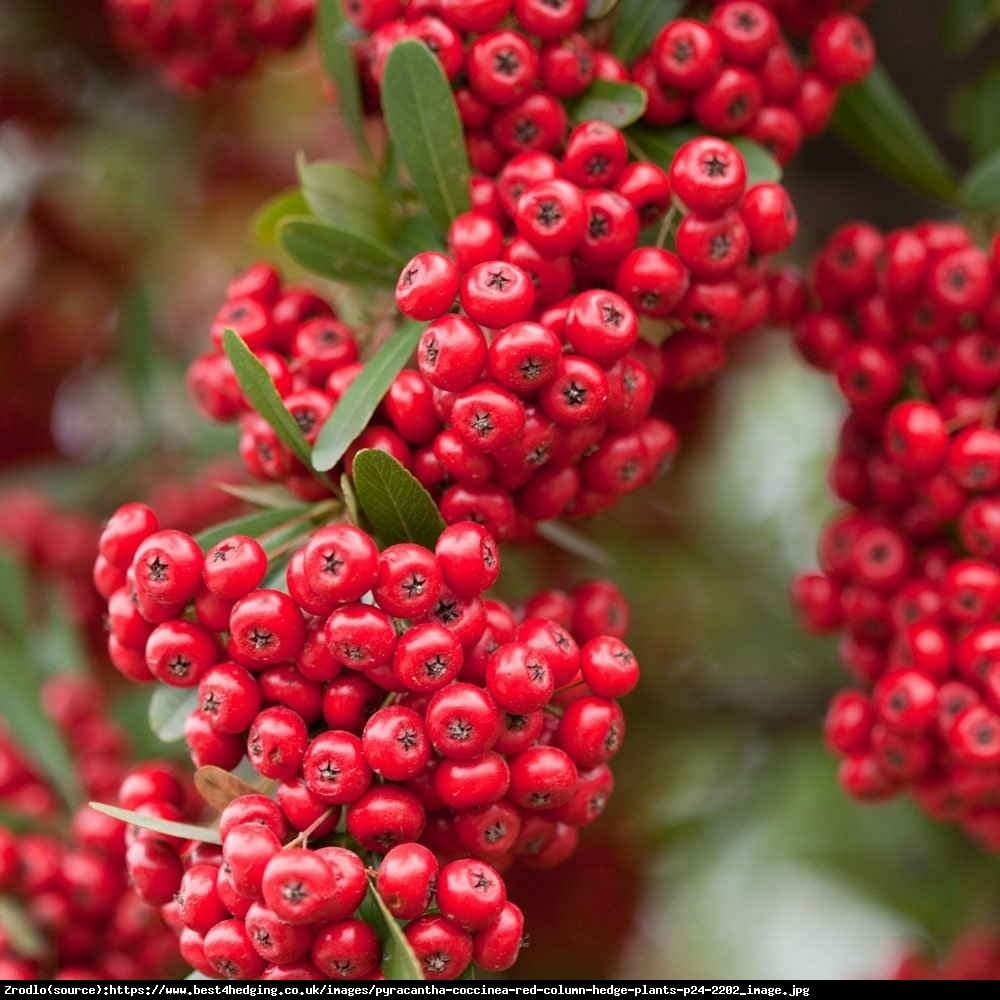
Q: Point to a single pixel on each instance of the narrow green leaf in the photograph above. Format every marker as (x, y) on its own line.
(398, 959)
(259, 390)
(877, 122)
(32, 730)
(980, 190)
(423, 123)
(338, 60)
(350, 499)
(761, 165)
(24, 937)
(259, 494)
(341, 196)
(252, 524)
(972, 113)
(618, 104)
(339, 254)
(55, 644)
(186, 831)
(397, 506)
(596, 9)
(637, 23)
(965, 22)
(570, 540)
(169, 708)
(418, 232)
(13, 594)
(355, 408)
(659, 145)
(269, 217)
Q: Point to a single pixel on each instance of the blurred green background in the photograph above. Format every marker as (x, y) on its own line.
(728, 850)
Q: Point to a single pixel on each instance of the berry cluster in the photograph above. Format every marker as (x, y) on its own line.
(800, 17)
(196, 42)
(908, 324)
(73, 887)
(382, 687)
(736, 74)
(514, 63)
(975, 955)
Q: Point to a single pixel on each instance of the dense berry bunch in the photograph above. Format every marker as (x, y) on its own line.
(381, 689)
(975, 955)
(193, 43)
(72, 886)
(514, 62)
(908, 324)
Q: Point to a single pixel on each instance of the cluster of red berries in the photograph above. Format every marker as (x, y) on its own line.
(72, 887)
(799, 17)
(382, 685)
(736, 74)
(56, 546)
(271, 904)
(909, 325)
(513, 63)
(975, 955)
(196, 42)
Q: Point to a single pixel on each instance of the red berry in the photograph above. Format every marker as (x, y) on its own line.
(427, 286)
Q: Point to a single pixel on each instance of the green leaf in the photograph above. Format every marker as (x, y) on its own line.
(596, 9)
(137, 349)
(269, 217)
(972, 113)
(55, 644)
(761, 165)
(186, 831)
(339, 254)
(980, 190)
(33, 731)
(355, 408)
(13, 593)
(253, 524)
(260, 392)
(637, 23)
(338, 60)
(343, 197)
(659, 145)
(259, 494)
(418, 233)
(350, 500)
(618, 104)
(398, 959)
(395, 503)
(570, 540)
(877, 122)
(20, 930)
(965, 22)
(169, 708)
(423, 123)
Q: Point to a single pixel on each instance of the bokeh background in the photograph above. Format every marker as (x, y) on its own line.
(729, 851)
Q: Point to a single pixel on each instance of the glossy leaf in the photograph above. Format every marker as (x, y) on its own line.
(343, 197)
(398, 959)
(618, 104)
(252, 524)
(877, 122)
(397, 506)
(169, 708)
(269, 217)
(339, 254)
(30, 727)
(332, 30)
(637, 23)
(760, 164)
(186, 831)
(260, 392)
(980, 190)
(425, 129)
(355, 408)
(659, 145)
(350, 500)
(259, 494)
(13, 593)
(218, 787)
(419, 232)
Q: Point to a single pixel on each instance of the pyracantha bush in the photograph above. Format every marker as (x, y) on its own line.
(194, 43)
(90, 924)
(908, 324)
